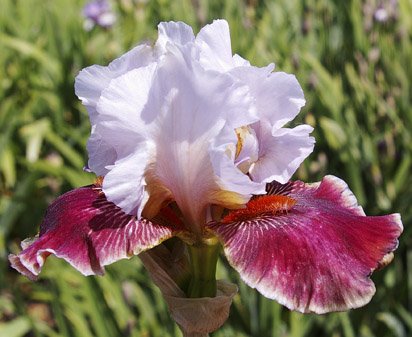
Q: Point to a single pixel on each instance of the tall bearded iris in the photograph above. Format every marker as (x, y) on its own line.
(190, 141)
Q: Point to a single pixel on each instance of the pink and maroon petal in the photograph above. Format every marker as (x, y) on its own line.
(312, 249)
(89, 232)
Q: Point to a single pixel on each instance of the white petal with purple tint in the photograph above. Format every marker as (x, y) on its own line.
(215, 46)
(92, 80)
(280, 152)
(89, 85)
(174, 33)
(278, 95)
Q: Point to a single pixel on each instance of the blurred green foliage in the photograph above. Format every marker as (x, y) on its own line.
(355, 69)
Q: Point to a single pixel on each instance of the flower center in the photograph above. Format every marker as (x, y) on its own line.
(263, 205)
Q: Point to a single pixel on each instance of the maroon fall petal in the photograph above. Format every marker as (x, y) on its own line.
(309, 246)
(89, 232)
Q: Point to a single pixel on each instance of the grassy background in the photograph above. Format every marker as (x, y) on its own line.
(355, 72)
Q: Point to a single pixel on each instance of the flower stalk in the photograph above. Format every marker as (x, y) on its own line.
(203, 261)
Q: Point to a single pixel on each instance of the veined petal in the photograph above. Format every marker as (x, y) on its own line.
(281, 153)
(311, 247)
(89, 232)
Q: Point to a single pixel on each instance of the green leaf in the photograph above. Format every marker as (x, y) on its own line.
(15, 328)
(335, 136)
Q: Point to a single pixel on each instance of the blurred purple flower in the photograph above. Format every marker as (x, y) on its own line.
(98, 12)
(381, 15)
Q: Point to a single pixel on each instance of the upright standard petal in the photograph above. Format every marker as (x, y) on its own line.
(190, 129)
(214, 43)
(310, 247)
(174, 33)
(277, 97)
(89, 232)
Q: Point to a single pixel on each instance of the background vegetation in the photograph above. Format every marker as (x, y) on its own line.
(355, 66)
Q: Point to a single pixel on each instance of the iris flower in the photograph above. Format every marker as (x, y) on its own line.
(189, 141)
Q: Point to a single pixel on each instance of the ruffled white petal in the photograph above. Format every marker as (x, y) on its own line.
(281, 153)
(89, 85)
(92, 80)
(278, 95)
(121, 121)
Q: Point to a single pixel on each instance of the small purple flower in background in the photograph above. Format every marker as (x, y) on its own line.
(381, 14)
(190, 141)
(98, 12)
(387, 10)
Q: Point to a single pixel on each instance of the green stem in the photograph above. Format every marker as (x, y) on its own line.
(203, 261)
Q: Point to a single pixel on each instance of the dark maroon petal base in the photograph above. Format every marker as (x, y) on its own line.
(89, 232)
(315, 255)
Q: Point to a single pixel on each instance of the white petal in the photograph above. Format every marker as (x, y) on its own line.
(174, 33)
(281, 154)
(278, 95)
(124, 185)
(101, 154)
(92, 80)
(121, 121)
(239, 61)
(215, 45)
